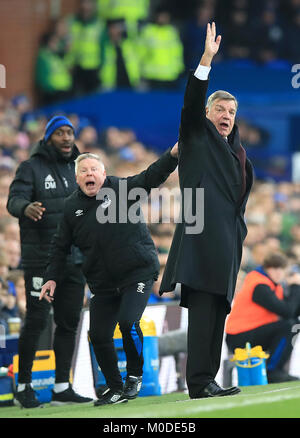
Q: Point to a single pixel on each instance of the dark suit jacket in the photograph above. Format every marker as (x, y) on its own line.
(208, 261)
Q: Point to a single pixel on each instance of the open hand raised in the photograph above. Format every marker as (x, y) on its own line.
(212, 43)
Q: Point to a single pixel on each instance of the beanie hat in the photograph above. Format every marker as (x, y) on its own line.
(55, 123)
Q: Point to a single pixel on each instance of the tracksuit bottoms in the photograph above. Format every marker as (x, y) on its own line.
(124, 306)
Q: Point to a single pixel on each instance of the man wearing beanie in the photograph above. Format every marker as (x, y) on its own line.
(36, 197)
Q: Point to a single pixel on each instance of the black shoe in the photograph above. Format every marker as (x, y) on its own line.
(132, 387)
(27, 398)
(215, 390)
(68, 397)
(100, 390)
(279, 376)
(110, 397)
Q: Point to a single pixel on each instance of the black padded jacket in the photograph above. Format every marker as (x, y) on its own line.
(119, 251)
(49, 178)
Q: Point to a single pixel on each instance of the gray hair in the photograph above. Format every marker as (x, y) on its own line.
(84, 157)
(220, 94)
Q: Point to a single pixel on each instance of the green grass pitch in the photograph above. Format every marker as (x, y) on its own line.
(268, 401)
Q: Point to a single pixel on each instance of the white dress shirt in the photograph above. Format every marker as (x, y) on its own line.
(202, 72)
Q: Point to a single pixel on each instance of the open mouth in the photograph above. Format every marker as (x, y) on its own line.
(66, 149)
(224, 125)
(66, 145)
(90, 184)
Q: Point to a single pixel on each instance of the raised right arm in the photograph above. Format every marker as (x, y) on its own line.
(193, 111)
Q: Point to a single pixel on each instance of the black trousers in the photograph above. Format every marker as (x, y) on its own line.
(124, 306)
(206, 319)
(275, 338)
(67, 305)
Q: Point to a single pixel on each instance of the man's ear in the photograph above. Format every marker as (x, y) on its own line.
(206, 110)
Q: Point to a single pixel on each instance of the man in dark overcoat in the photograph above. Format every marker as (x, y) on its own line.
(215, 180)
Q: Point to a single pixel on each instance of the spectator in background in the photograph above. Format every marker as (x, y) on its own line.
(88, 139)
(22, 106)
(269, 37)
(5, 181)
(292, 38)
(3, 210)
(33, 128)
(121, 63)
(7, 304)
(10, 229)
(52, 75)
(3, 265)
(8, 141)
(13, 251)
(238, 35)
(161, 49)
(84, 56)
(115, 139)
(181, 9)
(252, 136)
(133, 12)
(155, 298)
(288, 9)
(17, 278)
(5, 273)
(261, 315)
(61, 30)
(134, 152)
(224, 10)
(258, 252)
(162, 236)
(194, 33)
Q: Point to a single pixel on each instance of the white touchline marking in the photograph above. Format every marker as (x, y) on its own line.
(204, 405)
(243, 400)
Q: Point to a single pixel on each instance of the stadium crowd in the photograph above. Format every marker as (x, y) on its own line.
(152, 44)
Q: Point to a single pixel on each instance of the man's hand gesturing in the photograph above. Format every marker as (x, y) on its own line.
(47, 291)
(34, 211)
(212, 44)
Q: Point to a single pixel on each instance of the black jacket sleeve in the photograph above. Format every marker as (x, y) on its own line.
(60, 248)
(193, 110)
(287, 308)
(21, 190)
(155, 175)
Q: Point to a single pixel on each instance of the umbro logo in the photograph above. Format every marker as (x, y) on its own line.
(140, 287)
(50, 182)
(78, 213)
(106, 202)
